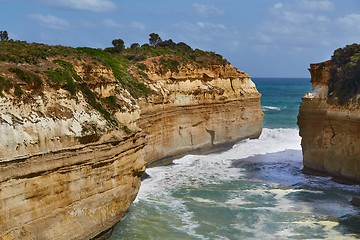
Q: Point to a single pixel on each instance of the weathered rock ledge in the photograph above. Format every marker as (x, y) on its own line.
(330, 131)
(67, 172)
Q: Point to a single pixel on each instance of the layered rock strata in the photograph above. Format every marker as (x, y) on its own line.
(330, 132)
(198, 110)
(67, 172)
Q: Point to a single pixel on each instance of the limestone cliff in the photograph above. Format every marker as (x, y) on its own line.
(197, 108)
(329, 118)
(78, 127)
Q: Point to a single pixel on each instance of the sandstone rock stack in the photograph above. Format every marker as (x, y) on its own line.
(329, 118)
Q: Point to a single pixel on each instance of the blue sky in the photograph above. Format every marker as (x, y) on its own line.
(266, 38)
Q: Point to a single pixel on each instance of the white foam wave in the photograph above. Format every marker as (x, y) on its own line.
(196, 170)
(267, 108)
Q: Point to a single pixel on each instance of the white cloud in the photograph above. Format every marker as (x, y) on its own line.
(203, 33)
(208, 25)
(301, 11)
(350, 21)
(303, 27)
(50, 21)
(316, 5)
(138, 25)
(109, 23)
(201, 27)
(207, 10)
(298, 23)
(278, 5)
(87, 5)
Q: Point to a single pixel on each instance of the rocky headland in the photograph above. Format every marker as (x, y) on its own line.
(79, 125)
(329, 118)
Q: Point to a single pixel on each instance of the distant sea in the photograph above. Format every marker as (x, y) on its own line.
(255, 190)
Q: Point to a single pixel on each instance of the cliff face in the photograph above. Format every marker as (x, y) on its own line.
(330, 131)
(65, 171)
(71, 160)
(198, 109)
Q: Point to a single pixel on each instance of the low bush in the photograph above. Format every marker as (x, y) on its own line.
(28, 77)
(344, 83)
(5, 84)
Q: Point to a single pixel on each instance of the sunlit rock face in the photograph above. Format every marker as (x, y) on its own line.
(330, 132)
(67, 172)
(198, 109)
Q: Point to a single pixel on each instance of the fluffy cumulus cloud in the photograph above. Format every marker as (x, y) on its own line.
(319, 5)
(203, 29)
(350, 21)
(87, 5)
(207, 10)
(50, 21)
(297, 23)
(213, 26)
(208, 35)
(138, 25)
(134, 25)
(109, 23)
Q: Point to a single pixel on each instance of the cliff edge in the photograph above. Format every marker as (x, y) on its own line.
(329, 117)
(79, 125)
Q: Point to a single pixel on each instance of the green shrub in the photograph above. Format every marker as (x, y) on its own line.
(170, 64)
(18, 91)
(57, 76)
(93, 101)
(64, 76)
(142, 66)
(32, 53)
(5, 84)
(119, 66)
(143, 74)
(127, 130)
(111, 102)
(28, 77)
(344, 83)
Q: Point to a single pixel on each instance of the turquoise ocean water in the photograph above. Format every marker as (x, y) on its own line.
(255, 190)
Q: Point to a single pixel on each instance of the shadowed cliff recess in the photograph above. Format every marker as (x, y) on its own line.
(81, 124)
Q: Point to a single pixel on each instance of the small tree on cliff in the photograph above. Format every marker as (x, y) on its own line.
(4, 36)
(154, 39)
(118, 45)
(167, 43)
(135, 46)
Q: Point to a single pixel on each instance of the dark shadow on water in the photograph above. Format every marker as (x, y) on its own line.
(324, 195)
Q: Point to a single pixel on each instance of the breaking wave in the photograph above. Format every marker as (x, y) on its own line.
(267, 108)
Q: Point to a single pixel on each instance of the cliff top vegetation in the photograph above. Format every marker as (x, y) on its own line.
(344, 85)
(27, 68)
(118, 58)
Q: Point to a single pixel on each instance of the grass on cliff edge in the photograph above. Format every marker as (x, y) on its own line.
(18, 52)
(173, 56)
(119, 66)
(344, 85)
(32, 65)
